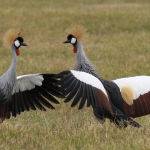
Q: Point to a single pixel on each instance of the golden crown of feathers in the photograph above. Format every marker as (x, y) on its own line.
(78, 31)
(10, 36)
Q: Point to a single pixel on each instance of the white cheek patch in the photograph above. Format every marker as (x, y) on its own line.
(17, 43)
(73, 40)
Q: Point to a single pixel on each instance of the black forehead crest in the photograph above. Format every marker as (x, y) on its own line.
(70, 36)
(20, 39)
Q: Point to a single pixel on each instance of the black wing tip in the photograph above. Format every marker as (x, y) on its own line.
(57, 102)
(80, 107)
(42, 109)
(53, 108)
(67, 100)
(73, 105)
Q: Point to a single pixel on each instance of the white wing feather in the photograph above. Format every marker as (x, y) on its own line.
(27, 82)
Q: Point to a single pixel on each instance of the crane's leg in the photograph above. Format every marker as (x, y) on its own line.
(134, 123)
(122, 122)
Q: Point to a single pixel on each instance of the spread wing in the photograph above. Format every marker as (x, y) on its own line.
(34, 91)
(83, 88)
(136, 95)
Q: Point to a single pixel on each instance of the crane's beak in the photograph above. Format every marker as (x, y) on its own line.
(24, 44)
(66, 42)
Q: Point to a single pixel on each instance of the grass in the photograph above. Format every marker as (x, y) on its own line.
(117, 42)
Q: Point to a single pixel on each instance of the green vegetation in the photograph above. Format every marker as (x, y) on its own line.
(118, 43)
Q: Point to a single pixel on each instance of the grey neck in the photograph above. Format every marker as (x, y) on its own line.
(8, 79)
(10, 74)
(12, 68)
(82, 62)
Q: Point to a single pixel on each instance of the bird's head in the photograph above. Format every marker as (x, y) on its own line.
(75, 36)
(18, 42)
(13, 38)
(72, 40)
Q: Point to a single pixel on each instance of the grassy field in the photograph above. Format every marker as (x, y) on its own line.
(117, 41)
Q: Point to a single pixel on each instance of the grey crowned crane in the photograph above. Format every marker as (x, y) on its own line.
(26, 92)
(120, 100)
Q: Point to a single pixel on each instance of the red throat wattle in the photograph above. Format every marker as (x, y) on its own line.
(17, 52)
(74, 49)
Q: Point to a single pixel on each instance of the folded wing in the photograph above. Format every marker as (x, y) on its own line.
(136, 95)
